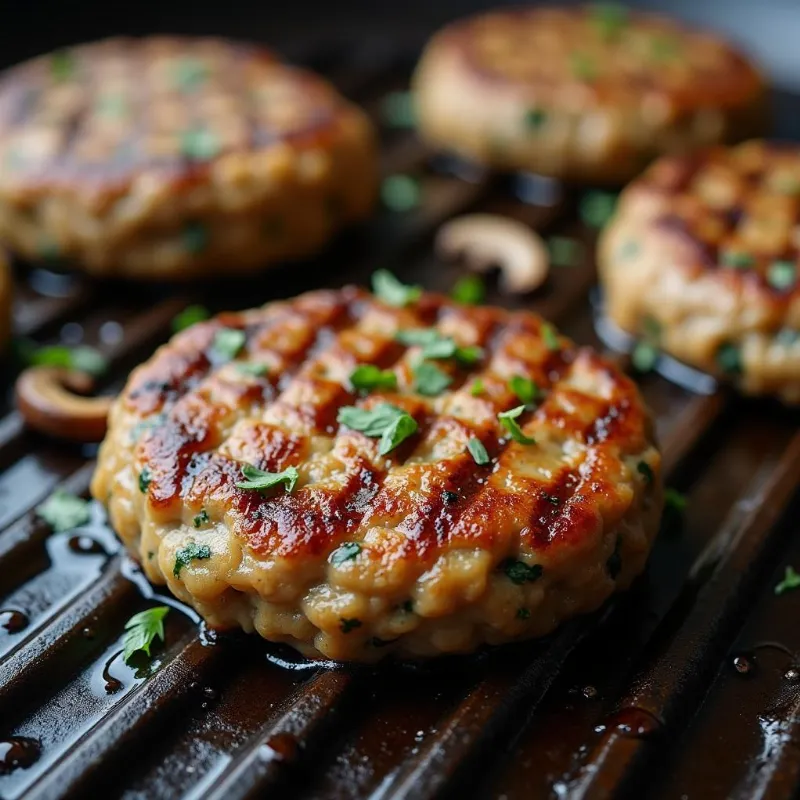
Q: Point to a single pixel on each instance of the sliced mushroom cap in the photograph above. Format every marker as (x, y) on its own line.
(487, 240)
(50, 400)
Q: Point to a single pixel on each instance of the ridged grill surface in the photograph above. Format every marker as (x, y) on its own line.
(686, 685)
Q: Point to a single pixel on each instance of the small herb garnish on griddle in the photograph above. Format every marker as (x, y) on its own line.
(550, 337)
(737, 260)
(646, 353)
(782, 275)
(429, 380)
(597, 208)
(478, 451)
(366, 377)
(524, 388)
(469, 290)
(191, 552)
(252, 369)
(144, 480)
(674, 500)
(391, 424)
(83, 359)
(523, 613)
(729, 359)
(189, 316)
(477, 388)
(200, 519)
(535, 118)
(256, 478)
(394, 293)
(194, 237)
(344, 552)
(646, 471)
(564, 252)
(436, 346)
(397, 109)
(791, 580)
(519, 572)
(142, 629)
(508, 419)
(610, 19)
(63, 511)
(227, 344)
(400, 192)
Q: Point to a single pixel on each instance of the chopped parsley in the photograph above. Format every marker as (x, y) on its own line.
(478, 451)
(400, 192)
(347, 625)
(729, 359)
(436, 346)
(200, 519)
(596, 208)
(614, 563)
(524, 388)
(227, 344)
(391, 424)
(791, 580)
(535, 118)
(394, 293)
(508, 419)
(782, 275)
(190, 73)
(674, 500)
(787, 337)
(610, 19)
(344, 552)
(191, 552)
(260, 480)
(83, 359)
(477, 388)
(252, 369)
(523, 613)
(564, 251)
(469, 290)
(195, 237)
(449, 497)
(199, 144)
(63, 511)
(737, 260)
(550, 337)
(664, 47)
(582, 66)
(62, 65)
(519, 572)
(142, 629)
(429, 380)
(189, 316)
(367, 377)
(646, 353)
(646, 471)
(145, 477)
(397, 110)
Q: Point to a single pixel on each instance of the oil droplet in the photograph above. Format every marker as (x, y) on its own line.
(633, 722)
(743, 664)
(589, 692)
(113, 685)
(792, 675)
(284, 746)
(12, 621)
(18, 752)
(85, 546)
(88, 633)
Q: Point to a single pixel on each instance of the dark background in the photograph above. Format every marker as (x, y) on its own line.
(768, 29)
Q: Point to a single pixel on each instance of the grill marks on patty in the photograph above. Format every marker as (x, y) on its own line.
(429, 489)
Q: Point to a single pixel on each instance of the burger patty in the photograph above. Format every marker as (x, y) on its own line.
(702, 258)
(359, 477)
(175, 157)
(586, 93)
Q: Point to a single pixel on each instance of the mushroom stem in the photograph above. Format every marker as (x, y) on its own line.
(50, 401)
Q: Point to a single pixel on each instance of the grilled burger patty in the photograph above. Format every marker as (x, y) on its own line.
(702, 258)
(174, 157)
(358, 478)
(587, 93)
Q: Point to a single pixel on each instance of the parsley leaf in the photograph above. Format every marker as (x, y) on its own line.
(564, 252)
(394, 293)
(597, 208)
(477, 388)
(200, 519)
(192, 552)
(227, 344)
(397, 109)
(144, 480)
(782, 275)
(344, 552)
(609, 19)
(252, 369)
(523, 613)
(737, 260)
(63, 511)
(429, 380)
(729, 359)
(256, 478)
(436, 346)
(469, 290)
(508, 419)
(142, 629)
(549, 336)
(367, 377)
(83, 359)
(535, 118)
(189, 316)
(519, 572)
(400, 192)
(646, 471)
(478, 451)
(674, 500)
(524, 388)
(391, 424)
(791, 580)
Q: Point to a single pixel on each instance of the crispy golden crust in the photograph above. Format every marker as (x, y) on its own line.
(705, 251)
(168, 157)
(586, 93)
(434, 528)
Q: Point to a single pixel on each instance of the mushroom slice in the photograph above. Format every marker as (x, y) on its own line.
(50, 401)
(487, 240)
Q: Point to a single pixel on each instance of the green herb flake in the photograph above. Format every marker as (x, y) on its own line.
(83, 359)
(397, 110)
(190, 315)
(535, 118)
(737, 260)
(582, 67)
(344, 552)
(430, 380)
(227, 344)
(564, 251)
(614, 563)
(550, 337)
(646, 471)
(519, 572)
(200, 519)
(145, 477)
(477, 388)
(508, 419)
(782, 275)
(785, 184)
(469, 290)
(199, 144)
(62, 65)
(524, 388)
(252, 369)
(609, 19)
(368, 377)
(63, 511)
(596, 208)
(665, 47)
(436, 346)
(400, 193)
(347, 625)
(191, 552)
(258, 479)
(392, 292)
(194, 237)
(729, 359)
(523, 613)
(478, 451)
(391, 424)
(791, 580)
(141, 630)
(644, 356)
(190, 74)
(674, 500)
(787, 337)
